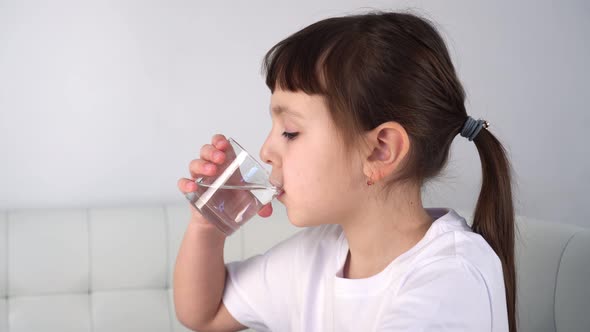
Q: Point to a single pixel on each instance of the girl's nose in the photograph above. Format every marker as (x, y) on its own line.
(265, 154)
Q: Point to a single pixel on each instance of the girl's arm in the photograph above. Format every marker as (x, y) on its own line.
(199, 280)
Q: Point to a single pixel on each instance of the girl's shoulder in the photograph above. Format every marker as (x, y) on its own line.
(451, 238)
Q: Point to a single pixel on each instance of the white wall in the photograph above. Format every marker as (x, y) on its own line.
(105, 103)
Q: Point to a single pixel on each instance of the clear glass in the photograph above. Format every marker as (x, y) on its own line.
(239, 190)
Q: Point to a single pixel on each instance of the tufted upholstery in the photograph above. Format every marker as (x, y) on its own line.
(110, 269)
(552, 271)
(553, 263)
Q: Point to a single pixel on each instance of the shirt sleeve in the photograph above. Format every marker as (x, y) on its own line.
(257, 289)
(449, 294)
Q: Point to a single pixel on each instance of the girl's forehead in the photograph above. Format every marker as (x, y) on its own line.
(285, 111)
(296, 103)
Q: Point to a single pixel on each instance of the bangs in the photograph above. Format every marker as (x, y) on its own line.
(300, 62)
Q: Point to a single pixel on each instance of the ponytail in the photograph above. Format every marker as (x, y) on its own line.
(493, 218)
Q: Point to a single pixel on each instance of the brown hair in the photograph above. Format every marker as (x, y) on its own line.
(382, 66)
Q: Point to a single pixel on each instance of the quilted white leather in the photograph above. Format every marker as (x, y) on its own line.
(48, 252)
(132, 242)
(101, 269)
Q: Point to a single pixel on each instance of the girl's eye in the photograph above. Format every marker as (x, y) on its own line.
(290, 136)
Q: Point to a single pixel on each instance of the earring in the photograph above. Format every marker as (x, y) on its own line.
(370, 181)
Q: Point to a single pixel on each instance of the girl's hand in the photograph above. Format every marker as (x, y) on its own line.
(212, 155)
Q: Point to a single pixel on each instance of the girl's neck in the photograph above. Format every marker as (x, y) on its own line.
(384, 231)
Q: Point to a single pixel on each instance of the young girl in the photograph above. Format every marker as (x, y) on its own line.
(364, 111)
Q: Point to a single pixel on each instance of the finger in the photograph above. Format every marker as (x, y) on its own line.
(266, 211)
(200, 167)
(211, 153)
(223, 144)
(220, 141)
(186, 185)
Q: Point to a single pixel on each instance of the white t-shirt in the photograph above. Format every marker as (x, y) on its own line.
(451, 280)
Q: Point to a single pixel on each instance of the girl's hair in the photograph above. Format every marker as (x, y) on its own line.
(382, 66)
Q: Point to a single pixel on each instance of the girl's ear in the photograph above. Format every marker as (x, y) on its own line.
(387, 145)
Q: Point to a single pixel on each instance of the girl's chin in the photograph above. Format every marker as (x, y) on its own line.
(297, 221)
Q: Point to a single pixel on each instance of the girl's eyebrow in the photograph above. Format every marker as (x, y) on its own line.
(278, 110)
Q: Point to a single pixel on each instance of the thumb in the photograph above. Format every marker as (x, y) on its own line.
(266, 211)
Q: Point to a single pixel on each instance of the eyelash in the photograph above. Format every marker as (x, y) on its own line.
(290, 136)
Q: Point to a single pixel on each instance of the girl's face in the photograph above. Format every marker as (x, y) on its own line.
(322, 185)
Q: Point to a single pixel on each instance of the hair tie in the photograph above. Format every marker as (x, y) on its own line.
(472, 127)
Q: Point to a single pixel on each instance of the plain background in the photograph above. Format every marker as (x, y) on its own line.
(105, 103)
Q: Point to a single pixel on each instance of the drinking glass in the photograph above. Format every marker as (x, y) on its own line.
(238, 191)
